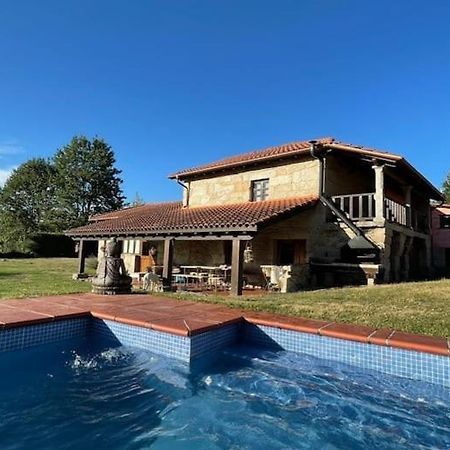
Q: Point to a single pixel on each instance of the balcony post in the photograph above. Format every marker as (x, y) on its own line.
(379, 193)
(408, 190)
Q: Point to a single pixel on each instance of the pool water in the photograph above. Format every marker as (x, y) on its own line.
(84, 395)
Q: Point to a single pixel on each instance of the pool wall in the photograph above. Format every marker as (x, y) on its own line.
(403, 363)
(19, 338)
(180, 347)
(422, 366)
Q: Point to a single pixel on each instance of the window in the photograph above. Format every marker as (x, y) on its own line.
(260, 190)
(445, 221)
(291, 252)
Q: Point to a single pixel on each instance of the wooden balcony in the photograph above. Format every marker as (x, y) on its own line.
(361, 207)
(357, 207)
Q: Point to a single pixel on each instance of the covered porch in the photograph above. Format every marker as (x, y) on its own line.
(234, 252)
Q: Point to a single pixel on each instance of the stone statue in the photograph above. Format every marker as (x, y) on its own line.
(112, 277)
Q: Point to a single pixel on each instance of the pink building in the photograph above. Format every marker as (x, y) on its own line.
(440, 225)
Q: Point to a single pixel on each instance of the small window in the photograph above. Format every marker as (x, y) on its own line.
(260, 190)
(445, 221)
(291, 252)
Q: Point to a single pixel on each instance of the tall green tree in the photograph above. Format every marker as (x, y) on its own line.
(446, 188)
(27, 203)
(87, 181)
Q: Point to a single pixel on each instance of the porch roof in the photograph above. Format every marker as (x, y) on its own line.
(172, 218)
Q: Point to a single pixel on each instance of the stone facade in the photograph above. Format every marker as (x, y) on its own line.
(289, 180)
(404, 250)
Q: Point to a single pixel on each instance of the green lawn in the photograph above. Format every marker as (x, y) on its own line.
(38, 277)
(417, 307)
(422, 307)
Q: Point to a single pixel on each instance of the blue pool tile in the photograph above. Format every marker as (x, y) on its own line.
(404, 363)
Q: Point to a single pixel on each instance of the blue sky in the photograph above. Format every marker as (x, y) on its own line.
(171, 84)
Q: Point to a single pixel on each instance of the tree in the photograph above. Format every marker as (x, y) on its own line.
(138, 200)
(446, 188)
(87, 181)
(27, 202)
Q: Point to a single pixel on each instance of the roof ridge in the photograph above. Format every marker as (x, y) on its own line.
(228, 160)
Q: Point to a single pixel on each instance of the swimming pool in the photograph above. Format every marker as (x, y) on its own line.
(90, 393)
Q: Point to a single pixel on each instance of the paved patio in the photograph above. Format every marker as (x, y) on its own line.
(186, 318)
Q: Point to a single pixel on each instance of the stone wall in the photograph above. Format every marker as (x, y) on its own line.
(289, 180)
(202, 253)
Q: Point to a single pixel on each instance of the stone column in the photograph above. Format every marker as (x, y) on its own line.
(385, 255)
(237, 259)
(405, 258)
(379, 193)
(428, 256)
(398, 257)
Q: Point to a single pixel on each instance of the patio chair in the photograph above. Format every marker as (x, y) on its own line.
(272, 277)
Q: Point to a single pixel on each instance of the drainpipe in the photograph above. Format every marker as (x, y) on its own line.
(186, 187)
(317, 154)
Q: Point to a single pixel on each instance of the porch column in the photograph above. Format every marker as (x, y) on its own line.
(379, 192)
(167, 264)
(237, 259)
(408, 190)
(81, 257)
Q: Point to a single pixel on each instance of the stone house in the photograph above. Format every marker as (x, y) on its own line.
(327, 212)
(440, 229)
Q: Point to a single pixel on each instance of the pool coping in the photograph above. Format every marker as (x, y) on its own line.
(186, 318)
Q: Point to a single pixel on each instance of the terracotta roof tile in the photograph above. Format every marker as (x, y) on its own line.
(173, 217)
(277, 152)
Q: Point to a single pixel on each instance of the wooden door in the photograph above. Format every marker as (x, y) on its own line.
(292, 251)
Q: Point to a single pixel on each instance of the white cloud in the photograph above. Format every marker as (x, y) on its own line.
(4, 175)
(10, 148)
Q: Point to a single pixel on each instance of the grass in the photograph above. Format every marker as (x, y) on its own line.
(422, 307)
(37, 277)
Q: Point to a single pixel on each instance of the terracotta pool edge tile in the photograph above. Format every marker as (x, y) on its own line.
(419, 343)
(381, 337)
(358, 333)
(192, 325)
(102, 316)
(27, 322)
(169, 328)
(133, 322)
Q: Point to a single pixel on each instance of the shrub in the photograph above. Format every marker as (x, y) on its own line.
(49, 245)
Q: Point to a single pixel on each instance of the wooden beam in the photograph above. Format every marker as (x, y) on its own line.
(81, 257)
(167, 264)
(237, 260)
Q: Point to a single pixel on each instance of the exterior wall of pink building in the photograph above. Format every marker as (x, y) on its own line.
(441, 238)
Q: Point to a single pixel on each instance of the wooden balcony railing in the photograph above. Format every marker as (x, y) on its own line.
(356, 206)
(361, 207)
(396, 212)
